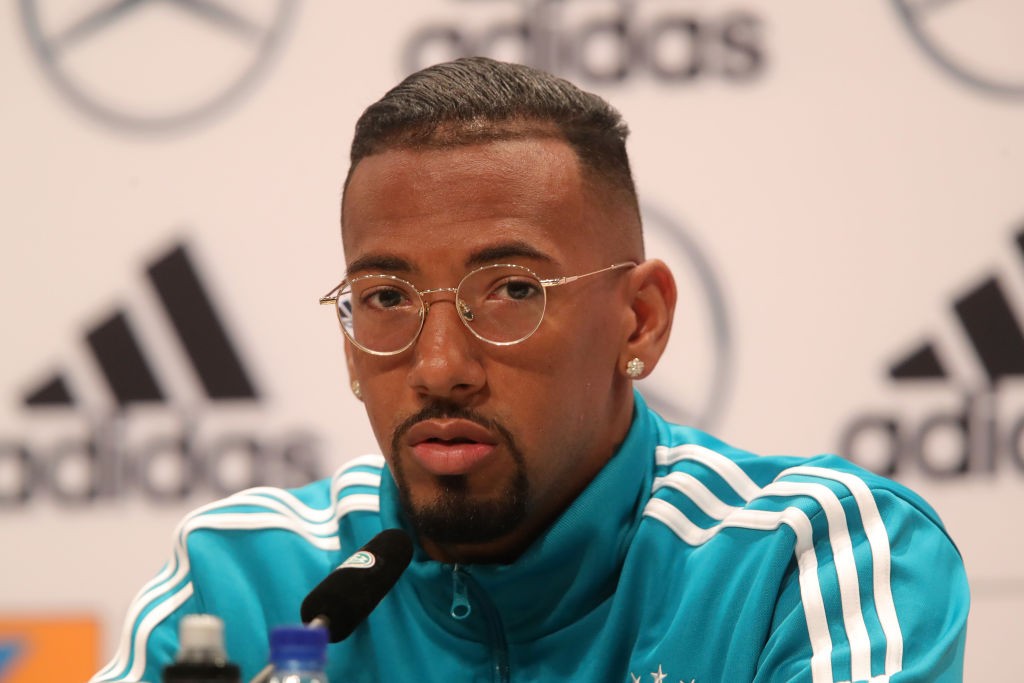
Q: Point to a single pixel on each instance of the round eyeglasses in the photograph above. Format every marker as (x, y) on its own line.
(501, 304)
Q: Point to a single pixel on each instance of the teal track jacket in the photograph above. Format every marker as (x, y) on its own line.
(685, 560)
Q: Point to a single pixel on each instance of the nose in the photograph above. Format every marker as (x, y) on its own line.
(446, 358)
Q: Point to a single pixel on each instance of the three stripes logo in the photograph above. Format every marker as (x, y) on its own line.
(979, 434)
(103, 457)
(123, 363)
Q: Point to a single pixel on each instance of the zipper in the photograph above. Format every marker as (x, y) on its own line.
(460, 597)
(463, 586)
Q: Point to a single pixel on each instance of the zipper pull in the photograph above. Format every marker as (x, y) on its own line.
(460, 596)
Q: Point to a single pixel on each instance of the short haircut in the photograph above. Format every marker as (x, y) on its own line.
(476, 99)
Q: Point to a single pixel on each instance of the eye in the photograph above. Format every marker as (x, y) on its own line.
(516, 289)
(383, 298)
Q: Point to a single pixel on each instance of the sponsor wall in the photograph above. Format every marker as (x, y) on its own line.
(837, 188)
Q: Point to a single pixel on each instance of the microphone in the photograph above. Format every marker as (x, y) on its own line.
(340, 602)
(347, 596)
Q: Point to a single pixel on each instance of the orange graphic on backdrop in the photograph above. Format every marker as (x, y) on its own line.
(48, 649)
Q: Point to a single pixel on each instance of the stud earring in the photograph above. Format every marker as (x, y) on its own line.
(634, 368)
(357, 390)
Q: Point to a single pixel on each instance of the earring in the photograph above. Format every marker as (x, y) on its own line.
(357, 390)
(634, 368)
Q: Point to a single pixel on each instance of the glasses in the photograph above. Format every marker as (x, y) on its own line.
(501, 304)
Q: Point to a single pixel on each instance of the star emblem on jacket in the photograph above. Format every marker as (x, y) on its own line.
(658, 676)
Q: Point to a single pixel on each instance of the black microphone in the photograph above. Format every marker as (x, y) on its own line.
(347, 596)
(349, 593)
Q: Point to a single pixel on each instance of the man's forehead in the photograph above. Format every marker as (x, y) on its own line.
(493, 157)
(417, 202)
(500, 251)
(518, 178)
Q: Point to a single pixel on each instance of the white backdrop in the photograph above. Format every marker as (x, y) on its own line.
(829, 180)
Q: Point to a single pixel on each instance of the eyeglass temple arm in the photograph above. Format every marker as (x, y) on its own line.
(554, 282)
(331, 297)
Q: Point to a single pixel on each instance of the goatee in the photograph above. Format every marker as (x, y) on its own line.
(454, 516)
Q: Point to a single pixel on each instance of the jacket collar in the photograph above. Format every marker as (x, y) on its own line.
(569, 569)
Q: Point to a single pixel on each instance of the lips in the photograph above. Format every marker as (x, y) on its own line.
(450, 447)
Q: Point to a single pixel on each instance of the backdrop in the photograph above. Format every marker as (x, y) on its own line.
(837, 186)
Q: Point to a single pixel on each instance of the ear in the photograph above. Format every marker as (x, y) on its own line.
(652, 307)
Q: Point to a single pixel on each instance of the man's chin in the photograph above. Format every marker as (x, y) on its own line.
(453, 516)
(461, 509)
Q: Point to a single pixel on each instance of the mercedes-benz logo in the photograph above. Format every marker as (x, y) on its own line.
(154, 65)
(694, 376)
(976, 42)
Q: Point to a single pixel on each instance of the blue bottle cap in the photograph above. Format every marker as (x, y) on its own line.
(303, 647)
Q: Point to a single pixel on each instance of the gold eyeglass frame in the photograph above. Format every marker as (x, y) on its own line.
(465, 315)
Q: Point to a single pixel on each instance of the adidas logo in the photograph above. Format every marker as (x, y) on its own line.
(123, 363)
(978, 435)
(142, 442)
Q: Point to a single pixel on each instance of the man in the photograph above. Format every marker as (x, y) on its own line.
(497, 307)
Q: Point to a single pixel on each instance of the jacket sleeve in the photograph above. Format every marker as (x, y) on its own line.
(149, 637)
(890, 605)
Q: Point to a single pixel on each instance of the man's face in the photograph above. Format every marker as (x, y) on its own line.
(488, 444)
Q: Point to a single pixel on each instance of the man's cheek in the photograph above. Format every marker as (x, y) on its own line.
(383, 429)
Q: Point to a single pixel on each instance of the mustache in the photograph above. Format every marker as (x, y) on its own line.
(443, 410)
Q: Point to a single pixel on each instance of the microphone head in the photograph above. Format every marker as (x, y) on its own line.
(349, 593)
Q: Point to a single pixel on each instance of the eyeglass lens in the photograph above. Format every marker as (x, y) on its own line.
(500, 304)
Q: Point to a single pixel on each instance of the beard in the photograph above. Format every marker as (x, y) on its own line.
(454, 516)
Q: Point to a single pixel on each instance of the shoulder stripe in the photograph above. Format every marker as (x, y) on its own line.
(846, 568)
(689, 485)
(807, 563)
(881, 555)
(271, 508)
(348, 476)
(356, 479)
(361, 502)
(173, 586)
(145, 627)
(839, 538)
(732, 473)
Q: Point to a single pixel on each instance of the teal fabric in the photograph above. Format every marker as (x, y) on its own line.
(684, 560)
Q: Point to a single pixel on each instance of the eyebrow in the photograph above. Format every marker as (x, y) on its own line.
(487, 255)
(499, 252)
(379, 262)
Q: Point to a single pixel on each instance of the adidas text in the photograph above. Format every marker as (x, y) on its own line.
(101, 464)
(973, 439)
(676, 48)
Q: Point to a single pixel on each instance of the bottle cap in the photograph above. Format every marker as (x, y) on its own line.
(201, 656)
(201, 633)
(299, 645)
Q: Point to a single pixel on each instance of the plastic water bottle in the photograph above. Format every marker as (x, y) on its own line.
(201, 656)
(298, 654)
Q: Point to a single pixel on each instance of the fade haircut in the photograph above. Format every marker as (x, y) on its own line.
(475, 100)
